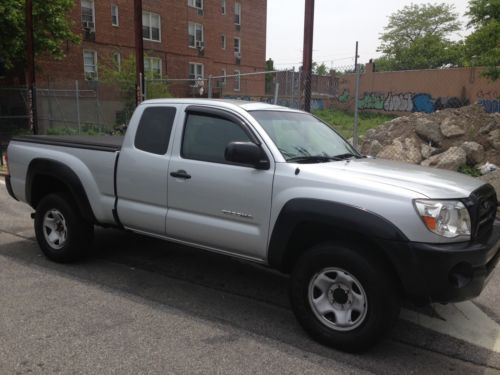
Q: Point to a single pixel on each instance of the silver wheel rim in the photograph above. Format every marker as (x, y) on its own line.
(337, 299)
(55, 229)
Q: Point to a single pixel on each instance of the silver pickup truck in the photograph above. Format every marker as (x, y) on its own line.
(274, 186)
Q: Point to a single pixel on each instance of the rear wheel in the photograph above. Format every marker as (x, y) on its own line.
(62, 234)
(343, 297)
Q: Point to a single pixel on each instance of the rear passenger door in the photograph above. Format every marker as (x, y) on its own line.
(212, 202)
(141, 179)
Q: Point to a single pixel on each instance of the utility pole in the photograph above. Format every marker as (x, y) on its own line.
(308, 50)
(30, 67)
(139, 52)
(355, 135)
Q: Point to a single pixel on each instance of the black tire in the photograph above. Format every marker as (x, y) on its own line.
(60, 208)
(381, 307)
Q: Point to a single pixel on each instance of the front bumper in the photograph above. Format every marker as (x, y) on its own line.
(446, 272)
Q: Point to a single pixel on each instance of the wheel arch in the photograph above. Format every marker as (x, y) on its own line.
(303, 223)
(46, 176)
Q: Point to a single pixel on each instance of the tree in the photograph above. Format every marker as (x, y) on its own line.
(269, 77)
(482, 47)
(321, 69)
(124, 76)
(51, 26)
(417, 37)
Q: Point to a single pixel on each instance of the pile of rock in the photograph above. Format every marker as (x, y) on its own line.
(447, 139)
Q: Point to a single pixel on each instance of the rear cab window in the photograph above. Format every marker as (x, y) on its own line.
(154, 129)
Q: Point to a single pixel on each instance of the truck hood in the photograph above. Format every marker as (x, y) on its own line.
(431, 182)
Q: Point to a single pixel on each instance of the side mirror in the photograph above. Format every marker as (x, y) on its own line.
(246, 153)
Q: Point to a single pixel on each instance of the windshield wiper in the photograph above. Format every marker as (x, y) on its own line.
(312, 159)
(345, 156)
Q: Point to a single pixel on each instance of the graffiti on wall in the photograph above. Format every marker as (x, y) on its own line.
(345, 97)
(490, 105)
(490, 100)
(372, 100)
(399, 102)
(404, 102)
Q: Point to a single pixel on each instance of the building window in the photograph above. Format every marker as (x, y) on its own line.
(237, 47)
(90, 65)
(196, 4)
(223, 7)
(114, 15)
(88, 14)
(195, 31)
(117, 61)
(151, 26)
(223, 41)
(237, 13)
(195, 72)
(152, 67)
(237, 80)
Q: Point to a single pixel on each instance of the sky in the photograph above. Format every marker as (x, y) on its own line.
(338, 25)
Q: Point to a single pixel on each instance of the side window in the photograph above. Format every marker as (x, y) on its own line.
(153, 132)
(206, 137)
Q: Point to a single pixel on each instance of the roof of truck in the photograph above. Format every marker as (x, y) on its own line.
(244, 104)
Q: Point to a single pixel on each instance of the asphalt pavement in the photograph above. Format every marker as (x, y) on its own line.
(138, 305)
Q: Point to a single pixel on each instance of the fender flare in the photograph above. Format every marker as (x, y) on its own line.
(66, 176)
(344, 217)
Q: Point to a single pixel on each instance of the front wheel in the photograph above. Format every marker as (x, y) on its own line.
(343, 297)
(62, 234)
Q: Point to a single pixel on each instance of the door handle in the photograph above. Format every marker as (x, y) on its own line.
(181, 174)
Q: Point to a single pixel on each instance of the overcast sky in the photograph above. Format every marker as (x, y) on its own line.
(338, 24)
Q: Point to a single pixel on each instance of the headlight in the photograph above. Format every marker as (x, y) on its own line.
(446, 218)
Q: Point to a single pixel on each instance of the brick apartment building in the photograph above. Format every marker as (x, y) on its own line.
(182, 39)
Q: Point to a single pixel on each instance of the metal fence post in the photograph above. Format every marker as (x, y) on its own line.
(356, 110)
(77, 95)
(97, 107)
(276, 92)
(293, 89)
(141, 88)
(209, 86)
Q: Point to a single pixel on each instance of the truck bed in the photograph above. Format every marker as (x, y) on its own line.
(99, 143)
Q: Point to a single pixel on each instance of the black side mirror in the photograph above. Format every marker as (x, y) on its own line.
(246, 153)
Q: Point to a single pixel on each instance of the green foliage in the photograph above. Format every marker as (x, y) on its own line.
(482, 47)
(470, 171)
(343, 121)
(426, 52)
(269, 77)
(417, 37)
(321, 69)
(125, 77)
(86, 129)
(51, 25)
(483, 11)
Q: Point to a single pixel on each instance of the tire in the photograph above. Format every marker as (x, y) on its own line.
(343, 297)
(62, 234)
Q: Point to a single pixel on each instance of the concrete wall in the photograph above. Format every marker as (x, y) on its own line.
(418, 90)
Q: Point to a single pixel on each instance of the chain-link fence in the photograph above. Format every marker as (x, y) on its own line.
(97, 107)
(89, 107)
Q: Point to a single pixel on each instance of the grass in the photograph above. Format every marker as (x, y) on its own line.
(86, 129)
(343, 121)
(468, 170)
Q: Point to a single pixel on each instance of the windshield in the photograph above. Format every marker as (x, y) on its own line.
(301, 137)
